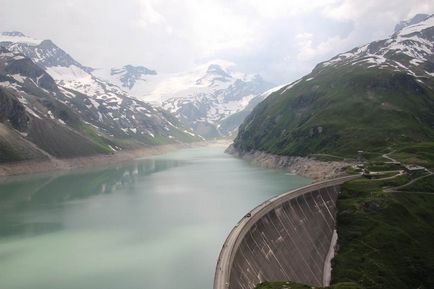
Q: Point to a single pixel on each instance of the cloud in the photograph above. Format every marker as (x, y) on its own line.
(215, 27)
(285, 8)
(149, 15)
(307, 51)
(281, 39)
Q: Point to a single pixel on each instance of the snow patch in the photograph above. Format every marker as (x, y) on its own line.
(29, 110)
(428, 23)
(19, 78)
(50, 114)
(288, 87)
(188, 132)
(20, 39)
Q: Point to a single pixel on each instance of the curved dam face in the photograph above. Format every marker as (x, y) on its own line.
(288, 237)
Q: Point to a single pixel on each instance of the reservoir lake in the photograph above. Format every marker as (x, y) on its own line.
(151, 223)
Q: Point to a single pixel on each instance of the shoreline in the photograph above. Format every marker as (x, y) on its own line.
(54, 164)
(301, 166)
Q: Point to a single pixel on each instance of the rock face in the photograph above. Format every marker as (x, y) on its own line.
(303, 166)
(12, 111)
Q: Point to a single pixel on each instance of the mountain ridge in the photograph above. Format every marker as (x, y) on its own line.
(68, 115)
(369, 98)
(202, 97)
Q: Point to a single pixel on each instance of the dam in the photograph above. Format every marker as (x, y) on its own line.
(290, 237)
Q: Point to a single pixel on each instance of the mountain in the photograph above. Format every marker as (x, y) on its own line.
(202, 98)
(372, 97)
(128, 76)
(53, 106)
(414, 20)
(34, 124)
(229, 125)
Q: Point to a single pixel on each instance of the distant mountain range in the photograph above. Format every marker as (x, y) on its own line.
(370, 98)
(52, 106)
(106, 110)
(203, 98)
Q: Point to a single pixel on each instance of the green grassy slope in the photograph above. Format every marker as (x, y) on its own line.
(418, 153)
(424, 184)
(342, 110)
(385, 239)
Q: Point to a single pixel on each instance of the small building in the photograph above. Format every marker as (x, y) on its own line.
(414, 169)
(360, 166)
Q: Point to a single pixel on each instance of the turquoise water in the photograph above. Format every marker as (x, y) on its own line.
(154, 223)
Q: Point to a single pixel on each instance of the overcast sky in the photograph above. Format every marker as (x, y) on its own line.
(280, 39)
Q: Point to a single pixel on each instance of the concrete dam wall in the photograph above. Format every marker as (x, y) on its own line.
(289, 237)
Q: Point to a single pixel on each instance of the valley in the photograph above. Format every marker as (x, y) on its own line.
(56, 108)
(129, 154)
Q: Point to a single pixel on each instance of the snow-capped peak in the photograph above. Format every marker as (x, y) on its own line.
(43, 52)
(414, 20)
(127, 75)
(13, 34)
(66, 71)
(418, 26)
(99, 104)
(410, 50)
(134, 70)
(18, 37)
(214, 75)
(217, 70)
(201, 97)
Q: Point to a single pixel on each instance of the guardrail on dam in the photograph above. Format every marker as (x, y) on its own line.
(287, 237)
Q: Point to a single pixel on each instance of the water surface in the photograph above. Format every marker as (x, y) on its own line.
(154, 223)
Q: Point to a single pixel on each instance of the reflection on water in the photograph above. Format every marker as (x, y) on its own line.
(150, 223)
(24, 194)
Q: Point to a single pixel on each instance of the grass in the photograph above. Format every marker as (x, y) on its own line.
(419, 154)
(373, 157)
(384, 175)
(101, 142)
(375, 186)
(385, 239)
(381, 166)
(425, 184)
(339, 112)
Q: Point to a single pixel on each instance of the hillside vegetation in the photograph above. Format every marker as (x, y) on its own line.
(371, 98)
(342, 111)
